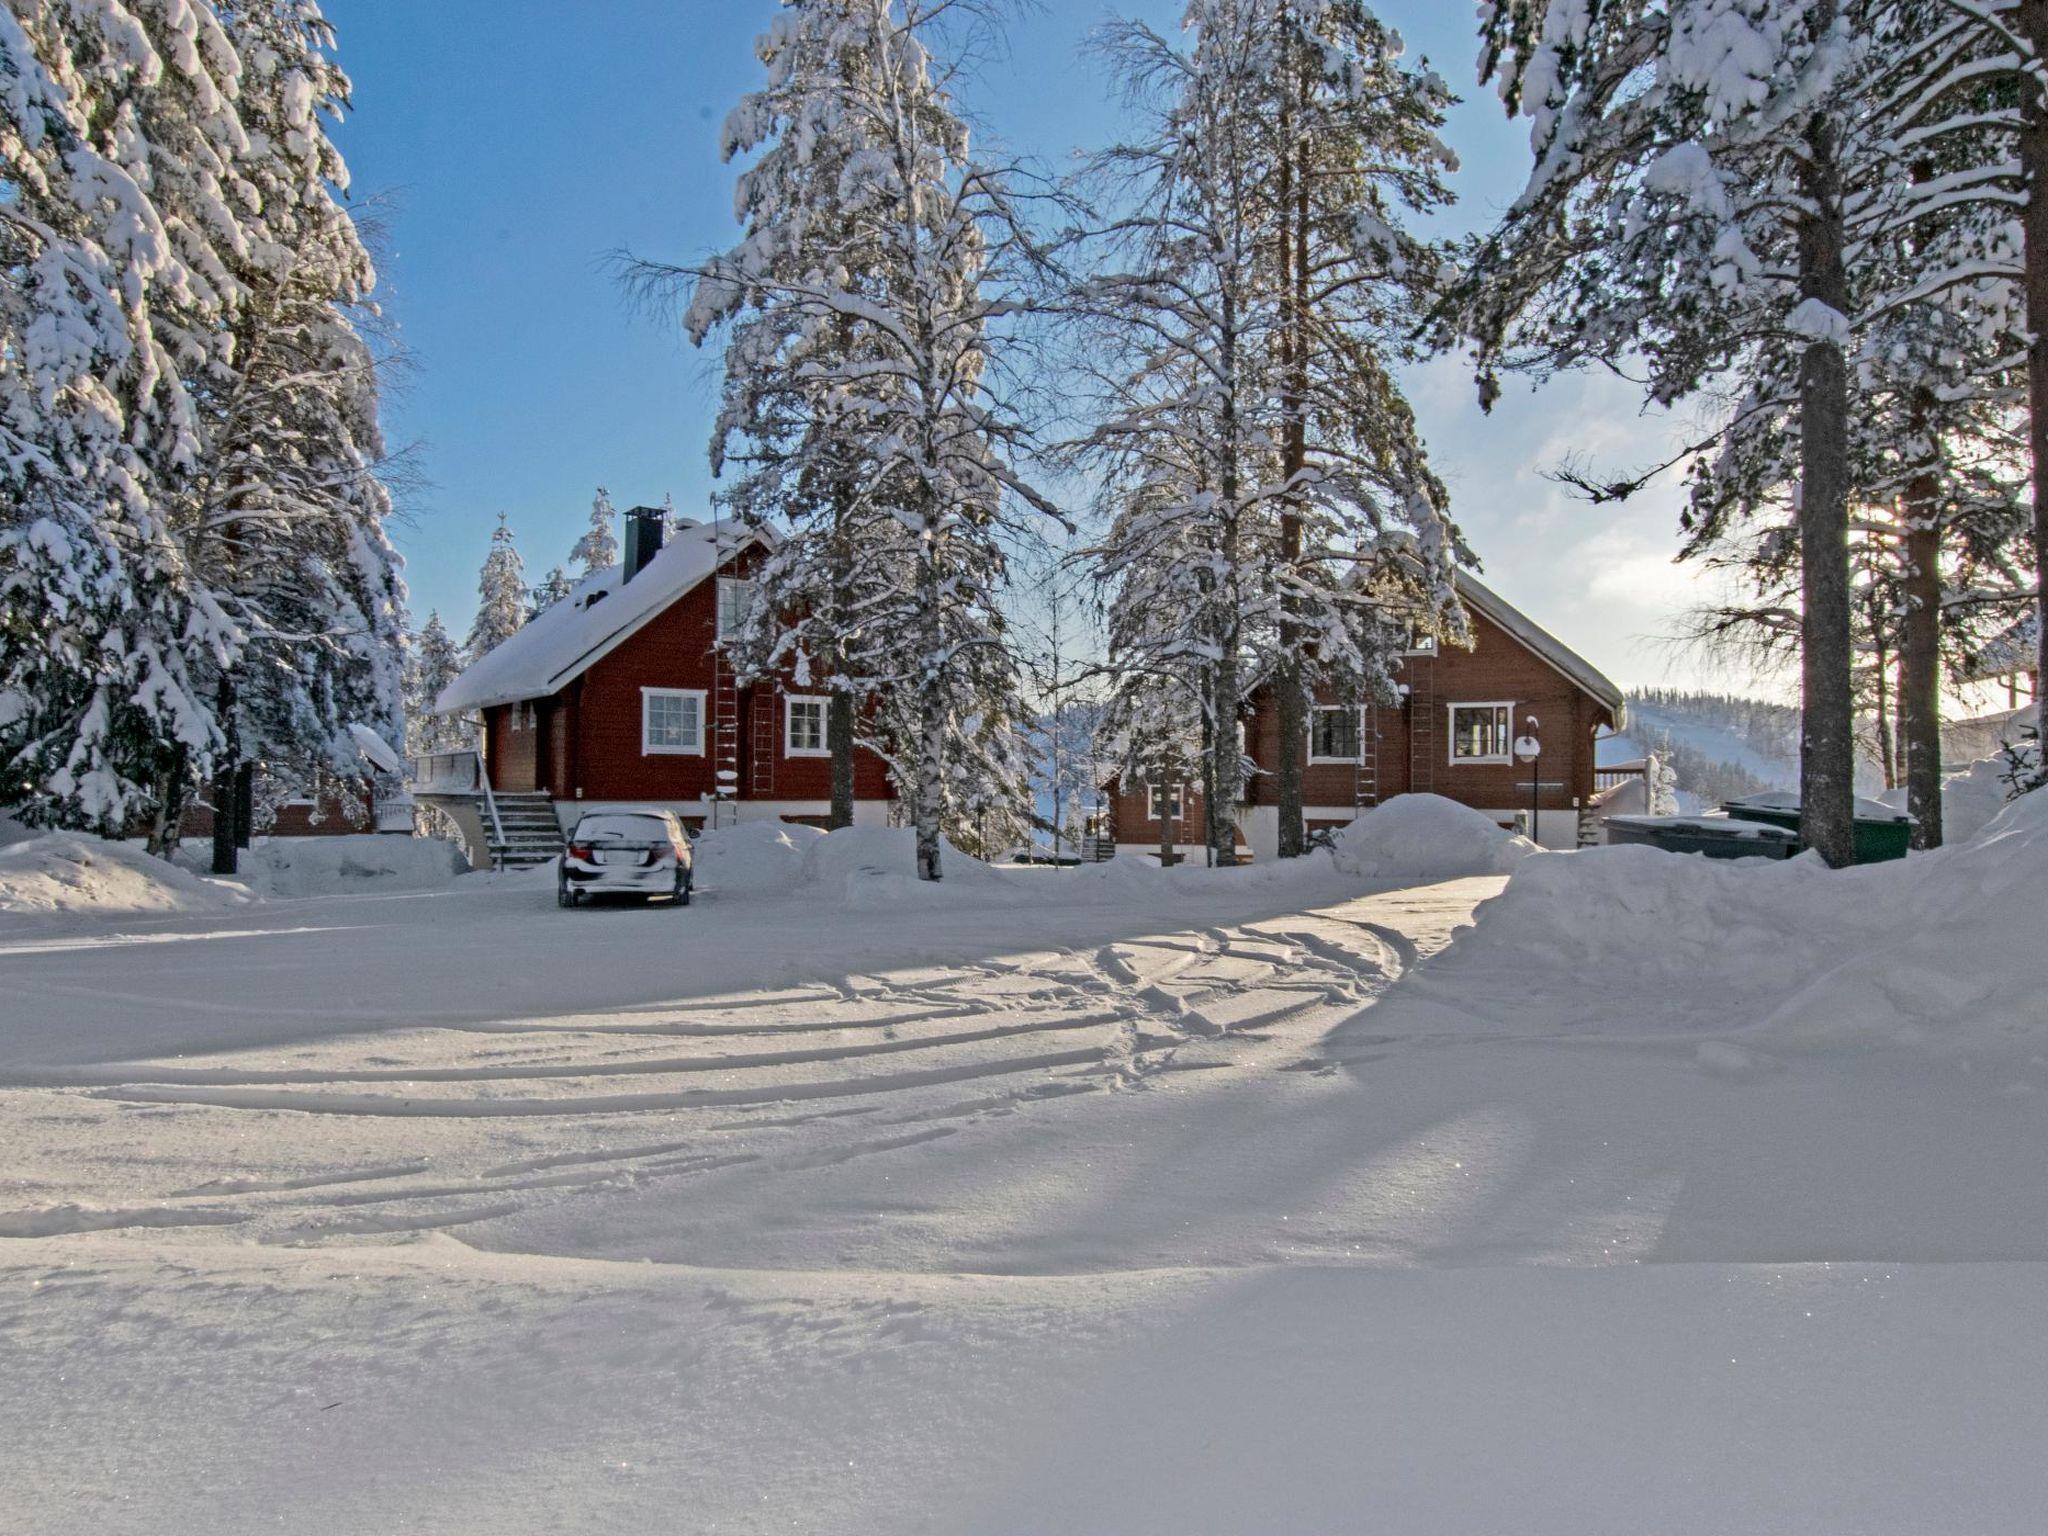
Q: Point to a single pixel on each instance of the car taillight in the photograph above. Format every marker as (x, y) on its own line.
(580, 851)
(678, 850)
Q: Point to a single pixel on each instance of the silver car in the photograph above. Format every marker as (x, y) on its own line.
(626, 853)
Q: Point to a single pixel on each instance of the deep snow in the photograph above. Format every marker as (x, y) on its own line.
(1119, 1200)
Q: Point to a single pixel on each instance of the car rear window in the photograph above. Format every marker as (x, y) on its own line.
(622, 829)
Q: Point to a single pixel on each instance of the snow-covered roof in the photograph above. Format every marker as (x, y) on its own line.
(1574, 667)
(2015, 650)
(561, 644)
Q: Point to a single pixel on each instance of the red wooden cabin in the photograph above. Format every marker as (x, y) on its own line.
(1451, 734)
(619, 695)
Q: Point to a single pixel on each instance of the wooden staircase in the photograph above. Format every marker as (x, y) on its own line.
(527, 833)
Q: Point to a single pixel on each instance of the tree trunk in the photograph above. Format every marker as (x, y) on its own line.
(1289, 693)
(931, 715)
(2032, 22)
(226, 774)
(245, 805)
(839, 737)
(1166, 825)
(931, 772)
(1920, 680)
(1881, 695)
(167, 822)
(1920, 640)
(1220, 802)
(839, 716)
(1827, 748)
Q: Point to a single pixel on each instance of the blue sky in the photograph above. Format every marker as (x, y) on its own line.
(508, 145)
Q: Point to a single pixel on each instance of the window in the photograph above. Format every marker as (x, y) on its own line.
(1419, 644)
(671, 721)
(1482, 733)
(803, 726)
(1335, 734)
(1173, 803)
(735, 602)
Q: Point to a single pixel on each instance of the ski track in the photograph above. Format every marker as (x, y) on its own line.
(1256, 997)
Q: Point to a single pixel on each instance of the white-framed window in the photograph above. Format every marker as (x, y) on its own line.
(1482, 733)
(671, 721)
(1336, 733)
(735, 602)
(803, 725)
(1419, 644)
(1174, 803)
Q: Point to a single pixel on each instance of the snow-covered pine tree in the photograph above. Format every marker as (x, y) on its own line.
(501, 595)
(1246, 302)
(1355, 148)
(286, 524)
(551, 589)
(800, 466)
(434, 662)
(122, 222)
(1154, 724)
(598, 549)
(929, 285)
(1703, 173)
(1966, 103)
(1932, 535)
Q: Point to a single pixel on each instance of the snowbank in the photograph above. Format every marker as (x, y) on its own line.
(343, 866)
(1936, 949)
(1973, 795)
(870, 868)
(1427, 837)
(754, 856)
(73, 872)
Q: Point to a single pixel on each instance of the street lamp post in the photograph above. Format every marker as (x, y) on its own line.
(1529, 749)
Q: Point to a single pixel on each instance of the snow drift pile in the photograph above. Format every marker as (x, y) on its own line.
(1934, 950)
(1427, 837)
(874, 868)
(353, 865)
(754, 856)
(73, 872)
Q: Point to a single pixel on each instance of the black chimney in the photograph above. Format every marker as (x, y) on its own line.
(644, 528)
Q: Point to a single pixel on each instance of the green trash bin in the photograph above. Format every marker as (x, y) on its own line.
(1881, 832)
(1713, 837)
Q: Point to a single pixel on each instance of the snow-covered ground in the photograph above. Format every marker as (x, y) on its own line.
(1109, 1201)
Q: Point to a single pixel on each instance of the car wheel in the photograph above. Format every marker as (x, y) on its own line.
(564, 897)
(682, 892)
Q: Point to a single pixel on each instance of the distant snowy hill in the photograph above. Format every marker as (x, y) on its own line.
(1719, 745)
(1723, 745)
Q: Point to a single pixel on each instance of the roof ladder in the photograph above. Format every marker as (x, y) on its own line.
(1422, 725)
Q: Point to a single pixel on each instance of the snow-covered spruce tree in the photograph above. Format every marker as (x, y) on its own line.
(501, 595)
(1247, 296)
(598, 549)
(121, 227)
(1158, 575)
(433, 662)
(784, 430)
(1967, 105)
(550, 590)
(1355, 148)
(1936, 546)
(904, 340)
(1700, 166)
(286, 524)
